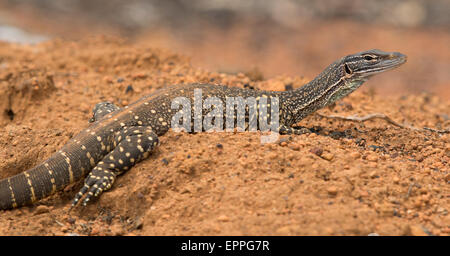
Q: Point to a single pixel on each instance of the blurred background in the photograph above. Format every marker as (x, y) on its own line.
(278, 37)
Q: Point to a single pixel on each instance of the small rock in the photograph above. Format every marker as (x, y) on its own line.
(355, 155)
(317, 151)
(332, 190)
(372, 158)
(139, 223)
(129, 89)
(41, 209)
(417, 203)
(372, 165)
(386, 210)
(71, 220)
(327, 156)
(363, 193)
(223, 218)
(140, 195)
(107, 79)
(139, 76)
(295, 147)
(373, 174)
(419, 158)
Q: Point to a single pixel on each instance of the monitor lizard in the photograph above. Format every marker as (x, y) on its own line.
(118, 138)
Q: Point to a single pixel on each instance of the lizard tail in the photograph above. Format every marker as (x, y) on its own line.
(27, 187)
(39, 182)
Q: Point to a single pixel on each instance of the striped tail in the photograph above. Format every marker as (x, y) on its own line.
(60, 170)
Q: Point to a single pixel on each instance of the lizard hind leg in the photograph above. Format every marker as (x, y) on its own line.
(132, 145)
(101, 109)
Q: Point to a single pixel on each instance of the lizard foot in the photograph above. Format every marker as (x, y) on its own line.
(96, 182)
(132, 145)
(294, 130)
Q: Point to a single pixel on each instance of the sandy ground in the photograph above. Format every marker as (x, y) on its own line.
(348, 179)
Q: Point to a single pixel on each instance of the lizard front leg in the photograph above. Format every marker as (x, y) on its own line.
(293, 130)
(101, 109)
(132, 145)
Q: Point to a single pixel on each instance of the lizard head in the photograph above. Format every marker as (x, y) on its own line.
(353, 70)
(362, 65)
(341, 78)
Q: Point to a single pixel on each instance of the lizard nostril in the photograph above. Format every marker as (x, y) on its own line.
(395, 55)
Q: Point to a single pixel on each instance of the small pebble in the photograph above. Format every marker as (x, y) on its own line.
(129, 89)
(139, 223)
(294, 146)
(223, 218)
(332, 190)
(363, 193)
(41, 209)
(373, 165)
(372, 158)
(327, 156)
(71, 220)
(107, 79)
(317, 151)
(355, 155)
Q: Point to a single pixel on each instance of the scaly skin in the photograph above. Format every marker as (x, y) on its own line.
(118, 138)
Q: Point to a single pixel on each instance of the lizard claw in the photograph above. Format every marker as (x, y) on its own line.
(97, 182)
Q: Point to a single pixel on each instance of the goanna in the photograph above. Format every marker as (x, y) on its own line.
(118, 138)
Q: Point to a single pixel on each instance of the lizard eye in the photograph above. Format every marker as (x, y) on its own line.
(368, 57)
(347, 69)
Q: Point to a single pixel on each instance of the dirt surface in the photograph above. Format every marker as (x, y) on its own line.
(348, 179)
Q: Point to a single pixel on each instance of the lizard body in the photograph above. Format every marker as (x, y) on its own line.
(118, 138)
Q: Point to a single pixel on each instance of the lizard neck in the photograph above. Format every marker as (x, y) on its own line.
(328, 87)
